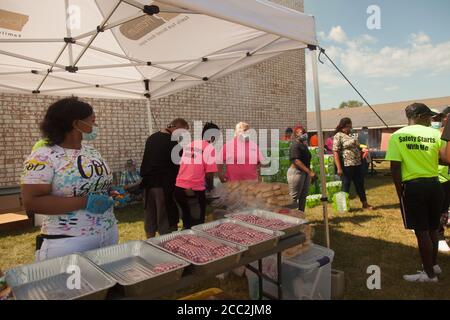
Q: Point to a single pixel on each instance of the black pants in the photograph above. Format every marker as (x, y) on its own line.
(444, 217)
(167, 183)
(355, 174)
(172, 209)
(183, 201)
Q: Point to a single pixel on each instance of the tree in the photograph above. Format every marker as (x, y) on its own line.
(351, 104)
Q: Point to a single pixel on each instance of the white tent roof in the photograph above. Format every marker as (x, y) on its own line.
(114, 47)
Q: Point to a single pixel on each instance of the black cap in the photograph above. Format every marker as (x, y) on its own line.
(446, 111)
(417, 110)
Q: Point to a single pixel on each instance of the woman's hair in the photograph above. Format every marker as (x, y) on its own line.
(298, 131)
(58, 120)
(342, 124)
(210, 132)
(241, 127)
(178, 123)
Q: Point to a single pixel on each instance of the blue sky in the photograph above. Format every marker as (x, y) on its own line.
(408, 58)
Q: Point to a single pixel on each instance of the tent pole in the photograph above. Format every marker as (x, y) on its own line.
(313, 52)
(22, 57)
(149, 117)
(246, 55)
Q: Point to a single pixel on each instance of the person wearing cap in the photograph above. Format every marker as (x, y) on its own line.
(414, 153)
(130, 179)
(159, 173)
(439, 121)
(300, 175)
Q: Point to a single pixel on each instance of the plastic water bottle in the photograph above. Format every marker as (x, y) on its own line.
(342, 202)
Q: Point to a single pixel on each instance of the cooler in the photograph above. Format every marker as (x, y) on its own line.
(305, 277)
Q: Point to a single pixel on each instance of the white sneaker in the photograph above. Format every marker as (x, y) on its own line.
(419, 277)
(437, 270)
(443, 246)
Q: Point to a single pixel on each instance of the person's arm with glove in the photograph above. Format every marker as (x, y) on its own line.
(98, 203)
(38, 199)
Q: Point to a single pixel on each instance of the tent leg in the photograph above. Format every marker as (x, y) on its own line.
(149, 117)
(313, 52)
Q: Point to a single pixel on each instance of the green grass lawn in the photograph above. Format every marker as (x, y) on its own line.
(359, 239)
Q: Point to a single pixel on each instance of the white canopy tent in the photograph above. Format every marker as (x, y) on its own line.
(144, 49)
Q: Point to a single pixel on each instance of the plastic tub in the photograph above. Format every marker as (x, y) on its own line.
(305, 277)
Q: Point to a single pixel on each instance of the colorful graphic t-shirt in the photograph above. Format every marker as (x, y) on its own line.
(198, 159)
(417, 148)
(348, 148)
(71, 173)
(241, 159)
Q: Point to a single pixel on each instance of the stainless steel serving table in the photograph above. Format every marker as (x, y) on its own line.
(190, 279)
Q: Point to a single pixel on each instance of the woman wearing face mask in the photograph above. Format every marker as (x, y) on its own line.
(347, 156)
(300, 175)
(241, 157)
(69, 183)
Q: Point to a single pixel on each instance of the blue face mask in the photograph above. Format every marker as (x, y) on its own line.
(436, 125)
(91, 135)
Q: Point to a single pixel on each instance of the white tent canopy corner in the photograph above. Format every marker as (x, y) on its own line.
(143, 49)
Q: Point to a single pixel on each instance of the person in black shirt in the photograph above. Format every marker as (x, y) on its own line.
(299, 174)
(159, 173)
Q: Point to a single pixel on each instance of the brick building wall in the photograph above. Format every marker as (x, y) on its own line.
(123, 130)
(270, 95)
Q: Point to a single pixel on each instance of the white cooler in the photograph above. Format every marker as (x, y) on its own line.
(38, 220)
(305, 277)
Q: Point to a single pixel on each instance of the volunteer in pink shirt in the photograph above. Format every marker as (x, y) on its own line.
(197, 168)
(241, 157)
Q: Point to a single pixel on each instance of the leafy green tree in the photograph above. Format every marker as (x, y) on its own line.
(351, 104)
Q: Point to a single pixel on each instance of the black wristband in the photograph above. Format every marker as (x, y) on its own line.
(446, 132)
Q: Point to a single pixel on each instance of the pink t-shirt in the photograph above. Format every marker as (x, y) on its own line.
(198, 159)
(241, 159)
(329, 145)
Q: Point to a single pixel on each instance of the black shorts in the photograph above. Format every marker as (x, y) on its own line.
(421, 204)
(446, 203)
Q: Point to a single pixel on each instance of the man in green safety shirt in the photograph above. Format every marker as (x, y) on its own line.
(414, 152)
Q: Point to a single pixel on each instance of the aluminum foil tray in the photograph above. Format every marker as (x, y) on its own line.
(49, 279)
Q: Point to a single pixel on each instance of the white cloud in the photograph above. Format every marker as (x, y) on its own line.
(420, 38)
(392, 88)
(328, 77)
(420, 56)
(337, 34)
